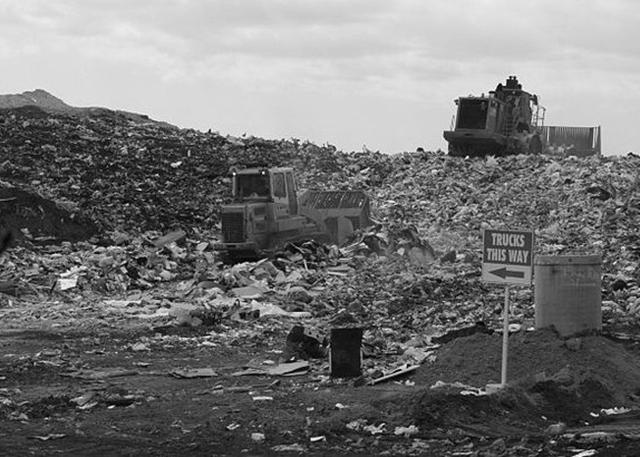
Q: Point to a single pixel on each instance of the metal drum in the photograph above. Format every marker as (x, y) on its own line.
(345, 357)
(568, 293)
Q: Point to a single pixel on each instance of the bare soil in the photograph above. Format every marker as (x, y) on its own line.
(91, 391)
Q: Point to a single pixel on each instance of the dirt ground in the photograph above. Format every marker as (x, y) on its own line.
(94, 387)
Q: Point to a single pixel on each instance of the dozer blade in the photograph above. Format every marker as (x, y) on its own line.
(337, 213)
(579, 141)
(475, 143)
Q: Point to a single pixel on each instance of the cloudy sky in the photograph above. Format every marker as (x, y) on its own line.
(380, 73)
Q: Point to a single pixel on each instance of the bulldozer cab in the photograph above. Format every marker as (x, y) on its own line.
(506, 109)
(251, 185)
(273, 185)
(476, 113)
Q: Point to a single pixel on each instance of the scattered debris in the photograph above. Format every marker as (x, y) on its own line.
(100, 374)
(283, 369)
(50, 436)
(304, 343)
(395, 373)
(586, 453)
(406, 431)
(296, 447)
(556, 429)
(139, 347)
(189, 373)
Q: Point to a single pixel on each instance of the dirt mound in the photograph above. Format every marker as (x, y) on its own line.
(507, 413)
(574, 401)
(594, 367)
(31, 216)
(548, 382)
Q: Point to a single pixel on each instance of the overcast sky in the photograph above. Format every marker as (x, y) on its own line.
(380, 73)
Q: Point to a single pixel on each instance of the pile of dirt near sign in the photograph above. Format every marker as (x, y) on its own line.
(580, 383)
(540, 358)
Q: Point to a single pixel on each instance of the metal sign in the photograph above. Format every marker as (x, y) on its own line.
(507, 256)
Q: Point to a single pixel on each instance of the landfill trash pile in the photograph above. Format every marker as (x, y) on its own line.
(574, 206)
(41, 220)
(134, 179)
(135, 174)
(115, 217)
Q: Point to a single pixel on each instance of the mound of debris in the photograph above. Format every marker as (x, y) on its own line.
(419, 267)
(135, 174)
(575, 206)
(30, 216)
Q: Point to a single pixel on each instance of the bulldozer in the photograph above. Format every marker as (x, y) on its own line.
(509, 120)
(266, 213)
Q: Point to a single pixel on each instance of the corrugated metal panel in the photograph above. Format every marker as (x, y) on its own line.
(233, 227)
(577, 140)
(335, 199)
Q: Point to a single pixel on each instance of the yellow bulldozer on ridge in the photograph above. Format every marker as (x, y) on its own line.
(267, 212)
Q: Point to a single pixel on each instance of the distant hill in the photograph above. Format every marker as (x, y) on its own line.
(40, 98)
(47, 102)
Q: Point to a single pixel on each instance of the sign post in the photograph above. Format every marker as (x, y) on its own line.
(507, 258)
(505, 337)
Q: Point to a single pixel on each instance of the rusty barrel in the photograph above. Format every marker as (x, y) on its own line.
(568, 293)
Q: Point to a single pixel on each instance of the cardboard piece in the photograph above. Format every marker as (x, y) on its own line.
(400, 371)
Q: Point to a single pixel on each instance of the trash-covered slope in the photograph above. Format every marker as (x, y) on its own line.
(133, 174)
(572, 204)
(142, 175)
(575, 206)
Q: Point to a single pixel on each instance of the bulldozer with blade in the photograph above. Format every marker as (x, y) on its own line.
(267, 213)
(509, 120)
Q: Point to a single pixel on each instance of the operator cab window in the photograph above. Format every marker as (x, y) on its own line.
(252, 186)
(472, 114)
(279, 189)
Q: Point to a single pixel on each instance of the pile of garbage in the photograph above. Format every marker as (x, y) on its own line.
(41, 220)
(134, 174)
(134, 180)
(574, 206)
